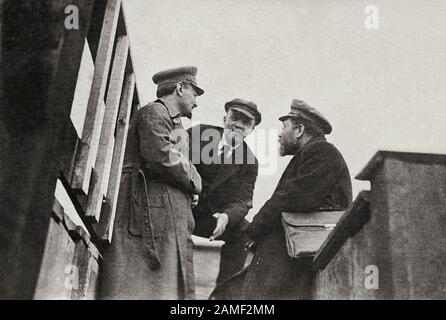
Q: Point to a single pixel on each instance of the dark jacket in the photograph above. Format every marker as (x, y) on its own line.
(153, 170)
(316, 178)
(226, 188)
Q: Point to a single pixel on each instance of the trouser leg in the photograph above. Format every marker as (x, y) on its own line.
(233, 254)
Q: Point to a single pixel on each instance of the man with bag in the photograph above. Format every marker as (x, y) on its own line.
(150, 256)
(316, 179)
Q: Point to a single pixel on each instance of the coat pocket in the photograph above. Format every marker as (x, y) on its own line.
(137, 208)
(135, 218)
(158, 209)
(157, 199)
(159, 218)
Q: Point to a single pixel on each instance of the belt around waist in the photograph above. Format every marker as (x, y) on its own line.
(131, 167)
(150, 176)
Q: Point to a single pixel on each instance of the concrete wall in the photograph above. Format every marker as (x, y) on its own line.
(391, 244)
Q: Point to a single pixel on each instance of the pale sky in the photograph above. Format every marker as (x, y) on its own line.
(381, 89)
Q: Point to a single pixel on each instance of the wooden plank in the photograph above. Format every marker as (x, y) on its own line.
(72, 140)
(95, 110)
(96, 22)
(136, 99)
(83, 90)
(109, 209)
(106, 142)
(58, 210)
(92, 283)
(58, 275)
(39, 67)
(80, 260)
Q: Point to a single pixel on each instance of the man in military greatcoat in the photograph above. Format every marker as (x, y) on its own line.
(150, 256)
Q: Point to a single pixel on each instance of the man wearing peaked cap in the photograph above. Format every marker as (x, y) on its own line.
(301, 109)
(183, 74)
(247, 107)
(316, 179)
(150, 256)
(229, 172)
(181, 81)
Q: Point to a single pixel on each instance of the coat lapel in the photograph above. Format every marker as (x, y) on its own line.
(224, 173)
(294, 162)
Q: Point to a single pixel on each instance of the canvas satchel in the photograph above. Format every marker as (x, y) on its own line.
(306, 232)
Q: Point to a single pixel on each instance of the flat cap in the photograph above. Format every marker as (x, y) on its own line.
(247, 107)
(175, 75)
(300, 108)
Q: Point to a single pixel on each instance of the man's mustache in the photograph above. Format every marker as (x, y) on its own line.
(236, 131)
(189, 114)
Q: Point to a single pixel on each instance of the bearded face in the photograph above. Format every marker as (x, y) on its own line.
(289, 138)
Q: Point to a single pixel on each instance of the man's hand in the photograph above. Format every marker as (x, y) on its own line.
(222, 222)
(251, 246)
(194, 201)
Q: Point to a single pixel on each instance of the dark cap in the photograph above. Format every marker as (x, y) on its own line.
(300, 108)
(182, 74)
(247, 107)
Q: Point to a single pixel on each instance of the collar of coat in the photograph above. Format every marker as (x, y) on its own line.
(227, 170)
(223, 143)
(310, 142)
(173, 112)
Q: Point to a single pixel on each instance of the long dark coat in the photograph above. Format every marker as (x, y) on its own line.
(228, 187)
(151, 250)
(317, 177)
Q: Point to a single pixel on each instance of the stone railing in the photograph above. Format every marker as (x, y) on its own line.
(391, 243)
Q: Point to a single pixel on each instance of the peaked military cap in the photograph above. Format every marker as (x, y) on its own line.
(300, 108)
(182, 74)
(247, 107)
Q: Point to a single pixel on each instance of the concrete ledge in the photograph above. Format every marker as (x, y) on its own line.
(408, 157)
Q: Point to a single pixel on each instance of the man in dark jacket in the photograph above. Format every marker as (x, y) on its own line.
(229, 171)
(316, 179)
